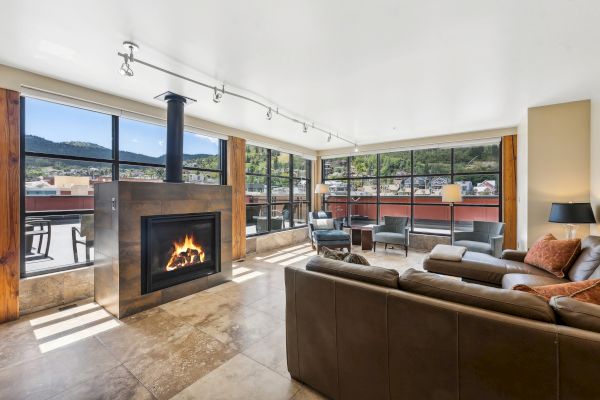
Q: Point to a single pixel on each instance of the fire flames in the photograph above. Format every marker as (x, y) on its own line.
(185, 254)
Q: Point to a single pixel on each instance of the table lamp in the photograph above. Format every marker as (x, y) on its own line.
(571, 214)
(451, 193)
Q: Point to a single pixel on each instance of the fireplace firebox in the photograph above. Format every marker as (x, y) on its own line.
(179, 248)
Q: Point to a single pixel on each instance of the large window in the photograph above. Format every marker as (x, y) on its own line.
(365, 188)
(277, 190)
(66, 150)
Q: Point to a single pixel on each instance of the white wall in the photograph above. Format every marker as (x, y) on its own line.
(558, 163)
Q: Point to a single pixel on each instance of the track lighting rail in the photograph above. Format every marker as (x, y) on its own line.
(219, 92)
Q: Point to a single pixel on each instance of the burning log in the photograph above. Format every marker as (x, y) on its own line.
(185, 254)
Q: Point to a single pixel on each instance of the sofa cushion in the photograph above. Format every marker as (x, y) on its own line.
(389, 237)
(333, 254)
(511, 280)
(322, 223)
(588, 261)
(471, 245)
(330, 235)
(364, 273)
(500, 300)
(481, 267)
(575, 313)
(586, 291)
(553, 255)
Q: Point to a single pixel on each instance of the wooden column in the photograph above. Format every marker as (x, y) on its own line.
(509, 190)
(9, 205)
(316, 178)
(236, 178)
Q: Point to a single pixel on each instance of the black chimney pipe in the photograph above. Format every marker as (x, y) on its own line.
(174, 159)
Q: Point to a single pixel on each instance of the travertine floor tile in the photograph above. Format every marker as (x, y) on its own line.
(169, 367)
(273, 304)
(241, 331)
(203, 307)
(55, 371)
(305, 393)
(270, 352)
(240, 378)
(116, 384)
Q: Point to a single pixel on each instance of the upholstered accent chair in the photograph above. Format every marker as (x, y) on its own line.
(394, 231)
(324, 231)
(486, 237)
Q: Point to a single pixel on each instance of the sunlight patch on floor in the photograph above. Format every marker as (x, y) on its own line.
(247, 277)
(68, 326)
(79, 335)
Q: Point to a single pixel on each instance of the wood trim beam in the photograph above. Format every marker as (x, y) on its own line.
(509, 190)
(236, 178)
(9, 204)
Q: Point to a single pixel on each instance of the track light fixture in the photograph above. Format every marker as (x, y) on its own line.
(218, 94)
(126, 69)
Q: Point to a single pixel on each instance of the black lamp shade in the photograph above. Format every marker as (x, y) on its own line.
(572, 213)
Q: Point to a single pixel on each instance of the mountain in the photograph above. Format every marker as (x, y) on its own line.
(36, 144)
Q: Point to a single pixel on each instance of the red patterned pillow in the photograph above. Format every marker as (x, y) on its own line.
(586, 291)
(555, 256)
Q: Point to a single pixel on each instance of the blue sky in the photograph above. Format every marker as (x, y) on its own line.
(60, 123)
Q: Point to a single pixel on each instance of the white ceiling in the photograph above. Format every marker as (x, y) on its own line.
(373, 71)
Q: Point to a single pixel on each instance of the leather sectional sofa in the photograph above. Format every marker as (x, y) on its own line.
(360, 332)
(511, 270)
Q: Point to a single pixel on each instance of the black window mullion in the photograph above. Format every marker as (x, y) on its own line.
(115, 149)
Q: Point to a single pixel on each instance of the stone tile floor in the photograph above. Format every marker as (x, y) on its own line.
(225, 343)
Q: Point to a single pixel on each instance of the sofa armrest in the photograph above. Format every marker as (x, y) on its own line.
(496, 242)
(514, 255)
(576, 314)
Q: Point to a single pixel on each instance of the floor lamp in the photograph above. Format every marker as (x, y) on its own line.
(322, 189)
(451, 194)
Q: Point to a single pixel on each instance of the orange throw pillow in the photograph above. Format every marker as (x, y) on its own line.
(553, 255)
(586, 291)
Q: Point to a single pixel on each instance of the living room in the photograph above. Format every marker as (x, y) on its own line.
(299, 201)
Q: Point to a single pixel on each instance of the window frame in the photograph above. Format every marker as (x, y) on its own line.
(348, 178)
(115, 162)
(291, 202)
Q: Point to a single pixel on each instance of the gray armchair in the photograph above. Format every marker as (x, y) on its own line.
(395, 231)
(327, 236)
(487, 238)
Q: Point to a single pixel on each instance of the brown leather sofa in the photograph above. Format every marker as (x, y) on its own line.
(357, 332)
(511, 270)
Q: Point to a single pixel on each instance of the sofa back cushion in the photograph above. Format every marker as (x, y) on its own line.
(500, 300)
(588, 261)
(553, 255)
(322, 223)
(575, 313)
(364, 273)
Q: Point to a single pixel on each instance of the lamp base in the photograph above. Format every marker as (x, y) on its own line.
(570, 231)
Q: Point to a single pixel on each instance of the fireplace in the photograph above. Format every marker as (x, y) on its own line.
(179, 248)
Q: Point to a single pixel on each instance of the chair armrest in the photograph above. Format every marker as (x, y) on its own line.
(378, 228)
(496, 242)
(514, 255)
